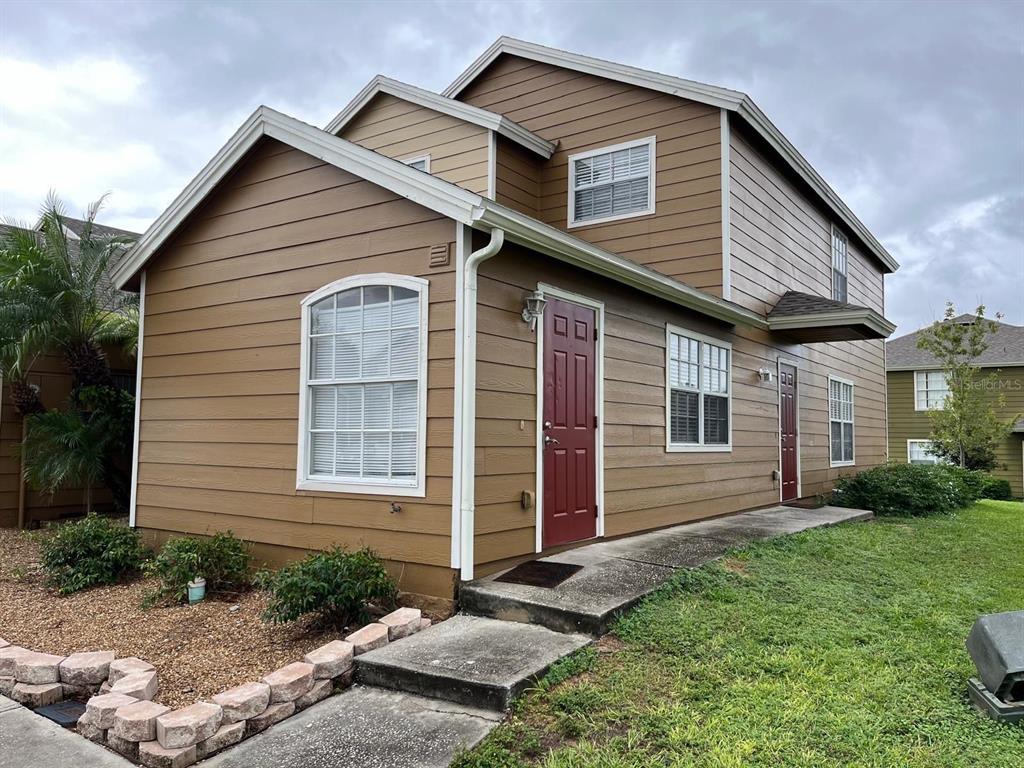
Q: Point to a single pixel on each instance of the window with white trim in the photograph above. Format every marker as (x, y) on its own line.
(920, 452)
(364, 385)
(840, 265)
(612, 182)
(699, 392)
(421, 163)
(840, 417)
(930, 390)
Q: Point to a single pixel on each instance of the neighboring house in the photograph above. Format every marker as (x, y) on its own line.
(566, 299)
(49, 373)
(917, 384)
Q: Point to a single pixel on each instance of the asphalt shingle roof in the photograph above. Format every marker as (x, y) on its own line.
(1005, 347)
(797, 303)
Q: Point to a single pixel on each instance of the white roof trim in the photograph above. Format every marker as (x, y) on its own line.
(863, 315)
(734, 101)
(458, 109)
(434, 193)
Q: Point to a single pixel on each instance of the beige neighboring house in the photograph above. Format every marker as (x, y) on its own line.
(917, 384)
(564, 299)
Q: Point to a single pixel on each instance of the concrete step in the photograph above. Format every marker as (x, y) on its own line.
(470, 660)
(619, 573)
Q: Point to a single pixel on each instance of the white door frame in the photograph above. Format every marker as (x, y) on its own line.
(779, 362)
(598, 307)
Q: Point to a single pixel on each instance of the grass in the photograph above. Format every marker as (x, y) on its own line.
(836, 647)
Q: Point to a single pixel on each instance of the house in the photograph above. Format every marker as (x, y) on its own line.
(18, 503)
(917, 384)
(564, 299)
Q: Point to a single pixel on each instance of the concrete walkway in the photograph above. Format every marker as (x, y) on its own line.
(28, 740)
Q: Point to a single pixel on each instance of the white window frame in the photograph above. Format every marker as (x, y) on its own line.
(852, 422)
(416, 488)
(833, 267)
(571, 220)
(418, 158)
(923, 406)
(910, 442)
(698, 447)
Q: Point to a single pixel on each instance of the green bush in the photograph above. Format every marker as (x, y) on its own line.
(91, 551)
(996, 488)
(907, 489)
(223, 560)
(337, 586)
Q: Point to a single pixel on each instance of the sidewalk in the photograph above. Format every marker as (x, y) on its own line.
(28, 740)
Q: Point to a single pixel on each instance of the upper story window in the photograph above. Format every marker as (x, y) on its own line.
(698, 392)
(363, 390)
(930, 390)
(611, 183)
(840, 422)
(420, 163)
(840, 265)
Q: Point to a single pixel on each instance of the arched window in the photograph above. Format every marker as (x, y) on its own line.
(362, 423)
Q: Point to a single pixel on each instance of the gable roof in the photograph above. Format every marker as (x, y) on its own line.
(733, 101)
(1005, 348)
(429, 191)
(458, 109)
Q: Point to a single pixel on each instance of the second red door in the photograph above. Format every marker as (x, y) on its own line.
(569, 429)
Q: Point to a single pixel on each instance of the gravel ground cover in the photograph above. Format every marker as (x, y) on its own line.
(198, 650)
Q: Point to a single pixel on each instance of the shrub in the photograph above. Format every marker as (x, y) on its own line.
(91, 551)
(337, 586)
(906, 489)
(223, 560)
(996, 488)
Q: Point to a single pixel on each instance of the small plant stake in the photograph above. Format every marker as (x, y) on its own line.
(196, 590)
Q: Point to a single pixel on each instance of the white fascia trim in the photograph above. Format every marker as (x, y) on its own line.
(726, 207)
(422, 188)
(492, 165)
(723, 98)
(868, 317)
(561, 245)
(133, 500)
(457, 109)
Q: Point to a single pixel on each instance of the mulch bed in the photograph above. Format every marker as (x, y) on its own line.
(198, 650)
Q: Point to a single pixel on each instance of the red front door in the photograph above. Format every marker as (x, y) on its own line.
(787, 430)
(570, 426)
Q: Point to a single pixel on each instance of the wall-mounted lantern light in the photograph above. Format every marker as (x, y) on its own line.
(765, 375)
(534, 309)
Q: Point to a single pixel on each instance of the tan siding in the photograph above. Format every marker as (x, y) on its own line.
(517, 177)
(220, 391)
(907, 424)
(398, 129)
(646, 487)
(683, 238)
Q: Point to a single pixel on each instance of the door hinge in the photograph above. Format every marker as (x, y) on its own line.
(595, 333)
(595, 422)
(595, 510)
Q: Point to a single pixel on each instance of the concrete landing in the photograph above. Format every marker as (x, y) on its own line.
(618, 574)
(364, 728)
(28, 740)
(468, 660)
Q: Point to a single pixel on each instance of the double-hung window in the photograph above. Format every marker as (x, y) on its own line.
(930, 390)
(363, 388)
(840, 265)
(840, 422)
(920, 452)
(699, 388)
(611, 183)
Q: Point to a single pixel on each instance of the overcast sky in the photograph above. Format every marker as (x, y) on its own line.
(913, 112)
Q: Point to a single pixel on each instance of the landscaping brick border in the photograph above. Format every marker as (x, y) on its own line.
(118, 693)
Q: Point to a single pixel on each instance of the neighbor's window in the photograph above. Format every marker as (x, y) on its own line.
(698, 392)
(611, 183)
(930, 390)
(421, 163)
(920, 452)
(839, 265)
(364, 385)
(840, 415)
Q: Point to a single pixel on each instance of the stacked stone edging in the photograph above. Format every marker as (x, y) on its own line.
(121, 714)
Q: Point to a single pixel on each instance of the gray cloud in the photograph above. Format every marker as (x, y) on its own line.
(912, 111)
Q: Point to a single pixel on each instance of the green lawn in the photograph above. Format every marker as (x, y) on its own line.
(836, 647)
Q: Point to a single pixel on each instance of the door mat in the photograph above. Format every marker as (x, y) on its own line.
(538, 573)
(811, 502)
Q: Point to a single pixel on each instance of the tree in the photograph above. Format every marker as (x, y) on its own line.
(966, 430)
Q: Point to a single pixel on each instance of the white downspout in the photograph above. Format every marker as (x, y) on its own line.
(467, 388)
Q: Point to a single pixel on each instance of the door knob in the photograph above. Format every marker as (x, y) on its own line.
(548, 440)
(547, 424)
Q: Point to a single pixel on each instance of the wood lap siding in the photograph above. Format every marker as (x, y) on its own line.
(396, 128)
(683, 238)
(219, 418)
